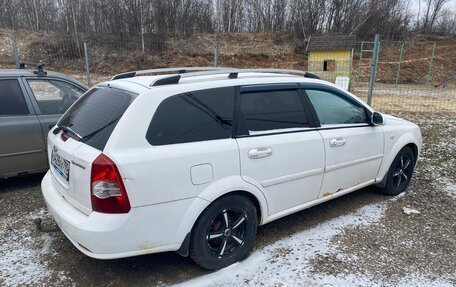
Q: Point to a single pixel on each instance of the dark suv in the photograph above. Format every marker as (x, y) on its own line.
(31, 102)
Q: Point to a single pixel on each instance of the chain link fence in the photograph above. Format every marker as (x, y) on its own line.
(411, 76)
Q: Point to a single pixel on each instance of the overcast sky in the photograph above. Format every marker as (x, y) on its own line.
(413, 4)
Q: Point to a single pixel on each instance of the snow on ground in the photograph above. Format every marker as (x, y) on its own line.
(288, 262)
(23, 257)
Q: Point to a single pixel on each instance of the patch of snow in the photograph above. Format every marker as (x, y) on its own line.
(408, 210)
(23, 254)
(287, 262)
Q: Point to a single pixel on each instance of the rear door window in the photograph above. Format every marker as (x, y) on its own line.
(272, 111)
(94, 117)
(54, 97)
(193, 116)
(12, 101)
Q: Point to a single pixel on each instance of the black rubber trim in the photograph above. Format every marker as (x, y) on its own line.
(167, 81)
(311, 76)
(184, 249)
(124, 75)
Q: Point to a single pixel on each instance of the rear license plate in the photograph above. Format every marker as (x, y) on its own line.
(61, 165)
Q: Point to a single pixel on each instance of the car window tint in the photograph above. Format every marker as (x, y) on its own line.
(334, 109)
(194, 116)
(54, 97)
(95, 116)
(272, 110)
(12, 100)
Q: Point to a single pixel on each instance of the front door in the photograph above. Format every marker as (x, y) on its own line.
(353, 147)
(280, 152)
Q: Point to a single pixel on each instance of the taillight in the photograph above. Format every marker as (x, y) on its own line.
(63, 136)
(107, 189)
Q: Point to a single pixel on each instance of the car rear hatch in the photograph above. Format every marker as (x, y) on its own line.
(80, 137)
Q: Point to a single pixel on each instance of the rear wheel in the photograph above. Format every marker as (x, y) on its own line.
(224, 232)
(400, 172)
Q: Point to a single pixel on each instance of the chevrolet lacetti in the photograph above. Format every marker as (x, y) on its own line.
(195, 161)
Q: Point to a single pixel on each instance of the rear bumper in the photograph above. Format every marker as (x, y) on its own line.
(147, 229)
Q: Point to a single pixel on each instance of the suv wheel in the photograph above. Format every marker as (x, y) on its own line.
(224, 232)
(400, 172)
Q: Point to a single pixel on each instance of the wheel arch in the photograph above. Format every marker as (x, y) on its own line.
(406, 141)
(212, 194)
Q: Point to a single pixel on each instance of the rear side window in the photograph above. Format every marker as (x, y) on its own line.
(272, 110)
(193, 116)
(12, 100)
(95, 116)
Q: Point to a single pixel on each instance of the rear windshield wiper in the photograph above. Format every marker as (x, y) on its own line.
(67, 130)
(86, 137)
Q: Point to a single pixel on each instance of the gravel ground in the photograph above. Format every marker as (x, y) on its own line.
(361, 239)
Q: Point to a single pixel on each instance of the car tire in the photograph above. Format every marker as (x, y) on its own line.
(400, 172)
(224, 232)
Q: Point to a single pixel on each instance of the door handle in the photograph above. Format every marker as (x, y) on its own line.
(336, 142)
(260, 152)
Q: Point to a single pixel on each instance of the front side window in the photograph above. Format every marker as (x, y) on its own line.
(272, 111)
(193, 116)
(54, 97)
(12, 101)
(334, 109)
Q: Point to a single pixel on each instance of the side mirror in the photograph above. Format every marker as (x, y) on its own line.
(377, 119)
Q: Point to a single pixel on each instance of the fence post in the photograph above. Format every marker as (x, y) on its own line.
(373, 68)
(86, 60)
(430, 65)
(399, 63)
(216, 55)
(360, 63)
(16, 54)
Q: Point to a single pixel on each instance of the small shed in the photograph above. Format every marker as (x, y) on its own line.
(331, 56)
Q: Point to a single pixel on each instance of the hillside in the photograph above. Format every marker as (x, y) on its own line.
(109, 56)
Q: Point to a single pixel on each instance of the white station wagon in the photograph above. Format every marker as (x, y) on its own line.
(194, 161)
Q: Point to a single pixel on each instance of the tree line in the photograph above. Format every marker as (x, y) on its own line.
(147, 18)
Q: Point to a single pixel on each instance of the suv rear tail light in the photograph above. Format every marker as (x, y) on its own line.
(107, 189)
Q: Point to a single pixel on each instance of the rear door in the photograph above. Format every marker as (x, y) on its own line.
(22, 146)
(281, 153)
(80, 137)
(354, 148)
(51, 98)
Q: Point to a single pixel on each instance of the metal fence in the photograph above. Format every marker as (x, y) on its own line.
(409, 76)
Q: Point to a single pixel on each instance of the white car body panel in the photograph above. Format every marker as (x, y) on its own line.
(299, 177)
(356, 161)
(169, 186)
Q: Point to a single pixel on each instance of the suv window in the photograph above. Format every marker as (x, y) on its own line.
(334, 109)
(194, 116)
(12, 101)
(272, 110)
(95, 116)
(54, 97)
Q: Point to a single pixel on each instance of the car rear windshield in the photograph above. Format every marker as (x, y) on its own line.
(93, 118)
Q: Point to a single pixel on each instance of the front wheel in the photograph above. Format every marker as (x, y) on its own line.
(400, 172)
(224, 232)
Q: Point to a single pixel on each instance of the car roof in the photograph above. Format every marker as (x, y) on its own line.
(30, 73)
